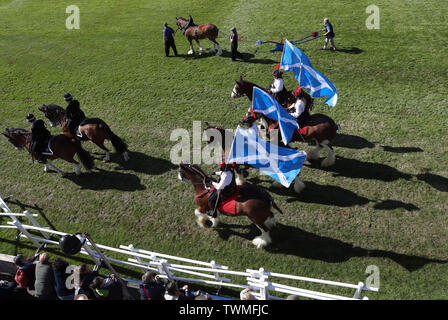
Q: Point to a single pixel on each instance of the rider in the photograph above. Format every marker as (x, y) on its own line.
(73, 115)
(39, 137)
(298, 107)
(277, 89)
(224, 188)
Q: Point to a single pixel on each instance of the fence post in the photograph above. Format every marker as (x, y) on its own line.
(358, 290)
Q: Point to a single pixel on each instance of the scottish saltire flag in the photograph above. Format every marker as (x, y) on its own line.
(282, 164)
(264, 103)
(308, 77)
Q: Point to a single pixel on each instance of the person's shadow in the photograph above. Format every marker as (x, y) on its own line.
(140, 162)
(351, 142)
(352, 50)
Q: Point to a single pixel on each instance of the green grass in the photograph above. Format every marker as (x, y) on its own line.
(384, 202)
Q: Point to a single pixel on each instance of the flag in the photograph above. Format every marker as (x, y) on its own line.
(282, 164)
(265, 104)
(308, 77)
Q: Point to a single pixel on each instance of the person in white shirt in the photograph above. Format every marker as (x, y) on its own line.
(277, 89)
(297, 108)
(224, 187)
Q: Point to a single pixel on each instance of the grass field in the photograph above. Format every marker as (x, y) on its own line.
(383, 203)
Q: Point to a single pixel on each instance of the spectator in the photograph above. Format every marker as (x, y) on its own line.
(45, 283)
(246, 295)
(59, 269)
(107, 288)
(168, 40)
(174, 293)
(329, 34)
(234, 45)
(83, 278)
(26, 271)
(151, 288)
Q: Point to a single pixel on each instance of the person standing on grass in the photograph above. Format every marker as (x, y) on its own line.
(329, 34)
(234, 45)
(168, 40)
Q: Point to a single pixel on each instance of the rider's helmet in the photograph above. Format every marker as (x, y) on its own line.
(30, 117)
(68, 97)
(70, 244)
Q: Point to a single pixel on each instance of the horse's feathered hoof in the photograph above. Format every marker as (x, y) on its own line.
(190, 52)
(219, 53)
(262, 241)
(298, 186)
(327, 162)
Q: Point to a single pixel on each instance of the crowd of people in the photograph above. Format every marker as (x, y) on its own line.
(46, 279)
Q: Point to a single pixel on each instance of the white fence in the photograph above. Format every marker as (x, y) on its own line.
(260, 282)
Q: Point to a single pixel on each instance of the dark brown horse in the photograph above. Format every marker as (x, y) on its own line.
(60, 147)
(197, 32)
(93, 129)
(316, 127)
(252, 202)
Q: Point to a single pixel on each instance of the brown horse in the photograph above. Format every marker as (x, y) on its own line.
(253, 202)
(217, 135)
(60, 147)
(93, 129)
(196, 32)
(318, 127)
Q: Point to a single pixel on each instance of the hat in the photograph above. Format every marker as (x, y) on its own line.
(68, 97)
(30, 117)
(233, 29)
(297, 91)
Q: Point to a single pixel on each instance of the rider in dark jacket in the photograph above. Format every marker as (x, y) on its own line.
(73, 114)
(39, 137)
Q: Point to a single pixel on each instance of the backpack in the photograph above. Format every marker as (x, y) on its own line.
(21, 278)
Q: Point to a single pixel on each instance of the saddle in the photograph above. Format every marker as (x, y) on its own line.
(228, 204)
(47, 150)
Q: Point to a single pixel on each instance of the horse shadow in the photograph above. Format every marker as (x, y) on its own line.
(401, 149)
(334, 195)
(107, 180)
(352, 142)
(289, 240)
(352, 168)
(142, 163)
(247, 57)
(395, 204)
(352, 50)
(437, 182)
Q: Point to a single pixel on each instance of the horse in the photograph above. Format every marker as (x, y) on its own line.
(93, 129)
(242, 170)
(318, 128)
(60, 147)
(252, 202)
(196, 32)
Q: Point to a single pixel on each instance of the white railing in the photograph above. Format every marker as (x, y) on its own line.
(259, 282)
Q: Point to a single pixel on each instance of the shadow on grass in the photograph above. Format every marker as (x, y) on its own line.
(247, 57)
(351, 142)
(395, 204)
(140, 162)
(294, 241)
(437, 182)
(32, 209)
(327, 195)
(352, 50)
(352, 168)
(107, 180)
(401, 149)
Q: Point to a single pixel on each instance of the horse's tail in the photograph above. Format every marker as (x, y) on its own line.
(117, 142)
(85, 157)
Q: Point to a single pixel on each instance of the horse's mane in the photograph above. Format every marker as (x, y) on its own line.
(55, 107)
(186, 20)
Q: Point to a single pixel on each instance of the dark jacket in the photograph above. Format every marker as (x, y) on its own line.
(39, 132)
(60, 278)
(45, 283)
(152, 291)
(110, 291)
(74, 112)
(85, 284)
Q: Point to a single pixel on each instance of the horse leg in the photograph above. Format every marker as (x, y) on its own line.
(203, 218)
(191, 47)
(51, 166)
(219, 48)
(264, 239)
(239, 179)
(201, 50)
(100, 143)
(314, 153)
(298, 185)
(330, 159)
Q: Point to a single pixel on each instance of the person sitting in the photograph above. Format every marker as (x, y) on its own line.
(151, 288)
(297, 108)
(83, 278)
(174, 293)
(107, 288)
(26, 271)
(277, 89)
(73, 114)
(224, 188)
(39, 137)
(59, 269)
(45, 283)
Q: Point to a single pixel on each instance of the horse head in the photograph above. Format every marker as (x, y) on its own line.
(53, 113)
(180, 22)
(193, 173)
(17, 136)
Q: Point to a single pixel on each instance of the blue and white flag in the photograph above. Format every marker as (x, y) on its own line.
(282, 164)
(308, 77)
(264, 103)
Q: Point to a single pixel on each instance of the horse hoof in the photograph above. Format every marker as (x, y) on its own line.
(202, 221)
(190, 52)
(259, 242)
(219, 53)
(215, 222)
(327, 163)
